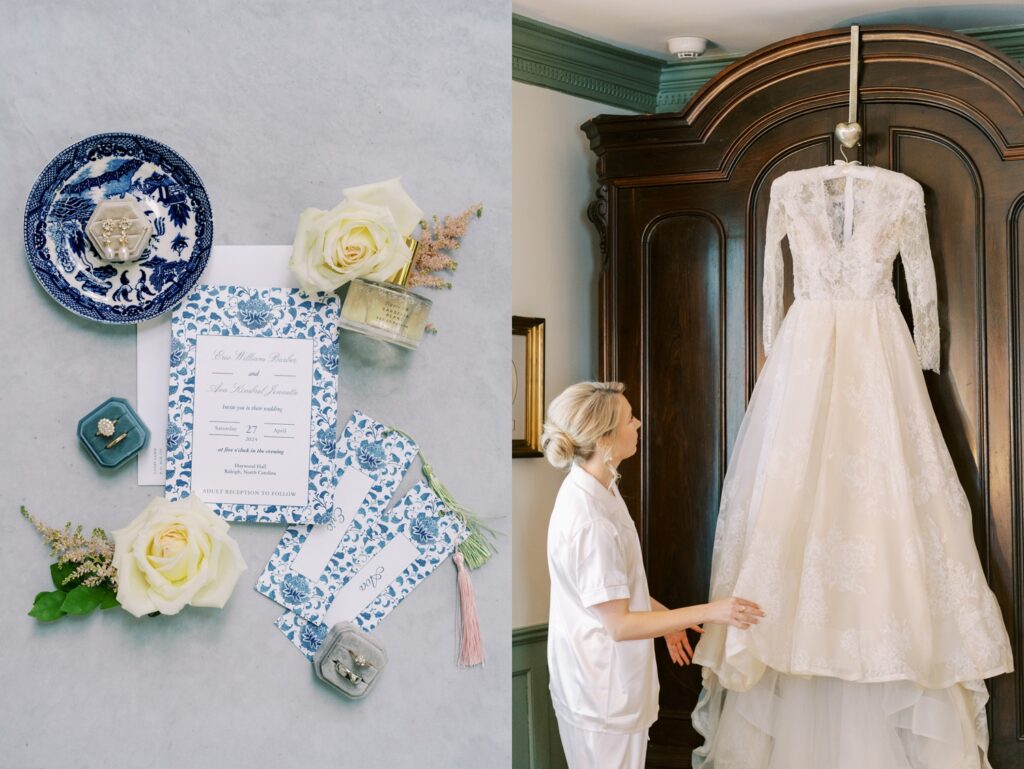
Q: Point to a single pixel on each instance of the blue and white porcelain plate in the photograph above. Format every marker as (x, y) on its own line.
(114, 166)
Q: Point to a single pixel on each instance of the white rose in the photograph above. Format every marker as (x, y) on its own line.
(173, 554)
(362, 237)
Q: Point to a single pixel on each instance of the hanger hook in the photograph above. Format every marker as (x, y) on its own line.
(842, 151)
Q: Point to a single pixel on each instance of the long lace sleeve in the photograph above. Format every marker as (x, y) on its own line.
(916, 254)
(773, 269)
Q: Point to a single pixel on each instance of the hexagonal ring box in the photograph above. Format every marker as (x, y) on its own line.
(112, 433)
(119, 229)
(349, 661)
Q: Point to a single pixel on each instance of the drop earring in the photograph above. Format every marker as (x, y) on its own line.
(122, 253)
(107, 232)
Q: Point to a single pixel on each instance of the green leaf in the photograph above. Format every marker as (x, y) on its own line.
(109, 600)
(60, 571)
(47, 606)
(83, 600)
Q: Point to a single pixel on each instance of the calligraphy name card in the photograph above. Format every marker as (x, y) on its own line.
(380, 569)
(371, 462)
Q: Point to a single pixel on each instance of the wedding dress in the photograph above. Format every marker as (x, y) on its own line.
(842, 515)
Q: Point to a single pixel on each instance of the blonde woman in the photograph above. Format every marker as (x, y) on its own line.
(604, 683)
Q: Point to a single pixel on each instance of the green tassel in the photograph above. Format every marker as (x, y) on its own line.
(477, 548)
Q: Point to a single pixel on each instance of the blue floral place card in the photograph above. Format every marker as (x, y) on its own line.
(253, 400)
(307, 636)
(371, 462)
(378, 570)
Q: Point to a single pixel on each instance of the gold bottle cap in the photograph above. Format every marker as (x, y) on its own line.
(400, 277)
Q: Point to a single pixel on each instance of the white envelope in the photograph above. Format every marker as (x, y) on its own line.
(257, 266)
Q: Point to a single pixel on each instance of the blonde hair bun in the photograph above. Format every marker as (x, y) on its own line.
(557, 445)
(580, 416)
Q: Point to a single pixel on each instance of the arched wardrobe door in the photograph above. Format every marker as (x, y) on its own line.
(682, 210)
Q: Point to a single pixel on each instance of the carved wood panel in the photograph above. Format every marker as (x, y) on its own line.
(684, 204)
(683, 392)
(1011, 534)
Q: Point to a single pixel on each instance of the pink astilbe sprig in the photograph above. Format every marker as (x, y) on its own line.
(92, 556)
(439, 239)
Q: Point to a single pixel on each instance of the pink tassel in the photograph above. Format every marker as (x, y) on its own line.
(471, 650)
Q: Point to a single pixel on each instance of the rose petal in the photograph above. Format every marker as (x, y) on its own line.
(391, 195)
(229, 566)
(132, 589)
(304, 249)
(390, 261)
(140, 555)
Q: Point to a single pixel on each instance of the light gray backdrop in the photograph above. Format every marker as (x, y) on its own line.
(278, 106)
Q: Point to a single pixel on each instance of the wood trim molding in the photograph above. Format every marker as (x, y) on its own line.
(564, 61)
(532, 634)
(577, 65)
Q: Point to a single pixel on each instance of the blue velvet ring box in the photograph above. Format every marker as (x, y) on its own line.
(126, 423)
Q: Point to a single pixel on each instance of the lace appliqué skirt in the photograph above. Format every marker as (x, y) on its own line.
(843, 517)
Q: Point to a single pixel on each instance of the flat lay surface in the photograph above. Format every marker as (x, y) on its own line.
(276, 112)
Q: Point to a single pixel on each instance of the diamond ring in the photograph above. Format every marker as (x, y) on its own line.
(105, 427)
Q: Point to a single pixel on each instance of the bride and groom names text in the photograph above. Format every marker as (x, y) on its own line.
(245, 388)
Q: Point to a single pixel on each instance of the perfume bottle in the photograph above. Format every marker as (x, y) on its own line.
(386, 310)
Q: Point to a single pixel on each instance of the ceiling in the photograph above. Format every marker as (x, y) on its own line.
(732, 27)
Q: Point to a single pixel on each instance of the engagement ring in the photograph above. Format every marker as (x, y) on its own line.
(105, 427)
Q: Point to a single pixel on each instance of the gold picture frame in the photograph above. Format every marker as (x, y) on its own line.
(527, 386)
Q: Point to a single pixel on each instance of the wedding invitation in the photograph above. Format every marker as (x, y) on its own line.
(264, 266)
(253, 403)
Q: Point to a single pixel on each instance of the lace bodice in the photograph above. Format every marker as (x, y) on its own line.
(845, 225)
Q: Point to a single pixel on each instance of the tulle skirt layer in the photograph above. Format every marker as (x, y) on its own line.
(789, 722)
(843, 517)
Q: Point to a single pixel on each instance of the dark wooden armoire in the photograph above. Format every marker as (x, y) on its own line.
(681, 210)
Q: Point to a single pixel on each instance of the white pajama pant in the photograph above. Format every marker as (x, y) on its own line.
(585, 749)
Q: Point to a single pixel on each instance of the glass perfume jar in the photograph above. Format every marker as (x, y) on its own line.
(387, 310)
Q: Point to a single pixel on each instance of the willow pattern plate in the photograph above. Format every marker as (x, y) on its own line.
(115, 166)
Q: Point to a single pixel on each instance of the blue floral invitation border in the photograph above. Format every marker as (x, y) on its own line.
(256, 312)
(369, 447)
(427, 522)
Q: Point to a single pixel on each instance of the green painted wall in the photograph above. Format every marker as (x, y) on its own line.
(535, 742)
(565, 61)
